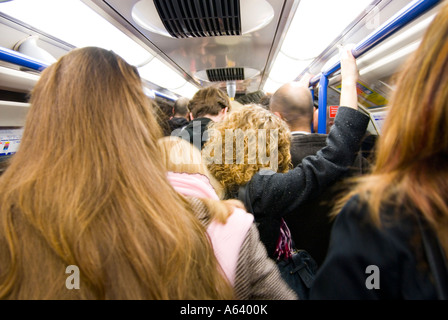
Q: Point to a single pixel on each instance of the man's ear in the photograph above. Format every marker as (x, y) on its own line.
(278, 114)
(225, 110)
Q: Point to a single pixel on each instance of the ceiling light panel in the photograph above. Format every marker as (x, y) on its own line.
(75, 23)
(159, 73)
(317, 23)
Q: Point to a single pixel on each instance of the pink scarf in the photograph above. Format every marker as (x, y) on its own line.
(226, 238)
(192, 184)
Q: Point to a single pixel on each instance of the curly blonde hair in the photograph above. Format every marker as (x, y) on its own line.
(246, 141)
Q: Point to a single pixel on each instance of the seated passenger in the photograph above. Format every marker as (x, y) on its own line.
(377, 249)
(86, 209)
(234, 237)
(251, 149)
(207, 106)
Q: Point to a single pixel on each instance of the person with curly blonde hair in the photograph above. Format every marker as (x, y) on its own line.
(249, 153)
(260, 140)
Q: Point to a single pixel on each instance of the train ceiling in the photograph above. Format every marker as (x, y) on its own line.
(183, 45)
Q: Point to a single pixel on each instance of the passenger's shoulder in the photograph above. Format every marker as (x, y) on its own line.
(355, 207)
(394, 220)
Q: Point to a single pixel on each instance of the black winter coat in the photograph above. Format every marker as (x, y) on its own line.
(357, 246)
(196, 130)
(275, 195)
(310, 224)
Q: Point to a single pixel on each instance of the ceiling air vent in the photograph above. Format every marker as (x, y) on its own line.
(225, 74)
(200, 18)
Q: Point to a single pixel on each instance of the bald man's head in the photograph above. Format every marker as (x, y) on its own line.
(293, 102)
(181, 107)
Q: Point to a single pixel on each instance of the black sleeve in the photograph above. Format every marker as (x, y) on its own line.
(281, 193)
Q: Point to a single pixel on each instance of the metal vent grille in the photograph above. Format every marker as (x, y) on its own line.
(225, 74)
(200, 18)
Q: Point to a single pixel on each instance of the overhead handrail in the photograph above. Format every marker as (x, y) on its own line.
(406, 15)
(20, 59)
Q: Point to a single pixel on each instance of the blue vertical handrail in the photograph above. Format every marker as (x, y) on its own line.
(313, 130)
(406, 15)
(322, 112)
(21, 59)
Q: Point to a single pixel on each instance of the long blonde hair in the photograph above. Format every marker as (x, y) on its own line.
(411, 160)
(87, 188)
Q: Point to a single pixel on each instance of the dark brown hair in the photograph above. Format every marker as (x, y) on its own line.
(209, 100)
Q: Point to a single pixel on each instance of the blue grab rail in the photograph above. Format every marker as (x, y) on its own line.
(409, 13)
(21, 59)
(322, 113)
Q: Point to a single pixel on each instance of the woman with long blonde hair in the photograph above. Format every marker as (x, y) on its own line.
(86, 193)
(376, 249)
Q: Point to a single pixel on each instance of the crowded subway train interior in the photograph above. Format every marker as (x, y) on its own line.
(246, 48)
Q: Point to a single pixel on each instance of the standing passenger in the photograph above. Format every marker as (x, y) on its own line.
(86, 210)
(273, 195)
(376, 249)
(310, 224)
(233, 234)
(163, 112)
(207, 106)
